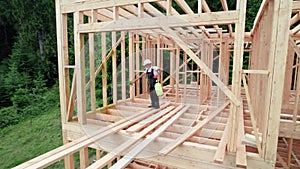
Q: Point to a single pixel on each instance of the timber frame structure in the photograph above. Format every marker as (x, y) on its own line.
(206, 118)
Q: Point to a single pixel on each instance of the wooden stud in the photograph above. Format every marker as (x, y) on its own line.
(80, 69)
(253, 120)
(123, 65)
(137, 63)
(99, 154)
(288, 75)
(104, 70)
(220, 153)
(114, 57)
(84, 157)
(241, 157)
(177, 73)
(199, 6)
(92, 71)
(131, 64)
(236, 74)
(278, 55)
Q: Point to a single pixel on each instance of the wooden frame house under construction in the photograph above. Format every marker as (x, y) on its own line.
(214, 113)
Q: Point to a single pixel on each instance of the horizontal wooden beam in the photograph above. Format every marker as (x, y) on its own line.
(187, 20)
(289, 130)
(263, 72)
(296, 5)
(72, 6)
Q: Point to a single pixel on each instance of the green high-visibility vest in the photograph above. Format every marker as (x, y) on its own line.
(158, 89)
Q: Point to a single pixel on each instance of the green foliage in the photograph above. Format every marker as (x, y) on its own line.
(9, 116)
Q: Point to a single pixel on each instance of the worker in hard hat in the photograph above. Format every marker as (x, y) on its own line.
(152, 73)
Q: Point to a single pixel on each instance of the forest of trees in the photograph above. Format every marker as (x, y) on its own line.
(28, 57)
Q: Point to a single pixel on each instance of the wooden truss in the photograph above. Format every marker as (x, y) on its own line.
(212, 115)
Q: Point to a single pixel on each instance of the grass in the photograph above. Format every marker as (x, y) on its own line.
(30, 138)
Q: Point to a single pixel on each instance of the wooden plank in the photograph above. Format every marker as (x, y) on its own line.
(138, 148)
(202, 65)
(123, 65)
(114, 57)
(295, 19)
(84, 157)
(262, 72)
(80, 69)
(127, 144)
(148, 121)
(137, 63)
(187, 20)
(236, 74)
(220, 153)
(199, 6)
(192, 131)
(296, 5)
(278, 55)
(252, 116)
(92, 70)
(104, 69)
(88, 5)
(61, 62)
(131, 64)
(177, 73)
(71, 102)
(241, 157)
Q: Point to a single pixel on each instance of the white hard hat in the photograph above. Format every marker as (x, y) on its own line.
(146, 62)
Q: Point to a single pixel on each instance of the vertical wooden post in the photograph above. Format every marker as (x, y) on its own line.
(99, 154)
(104, 70)
(80, 69)
(185, 77)
(158, 53)
(288, 75)
(172, 68)
(131, 64)
(277, 63)
(236, 74)
(123, 66)
(223, 66)
(144, 56)
(203, 76)
(114, 57)
(61, 28)
(137, 63)
(140, 10)
(169, 7)
(177, 72)
(92, 66)
(199, 6)
(84, 157)
(210, 65)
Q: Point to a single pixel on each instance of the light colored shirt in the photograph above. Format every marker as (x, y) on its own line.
(155, 70)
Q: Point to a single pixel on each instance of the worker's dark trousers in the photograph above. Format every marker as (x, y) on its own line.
(153, 95)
